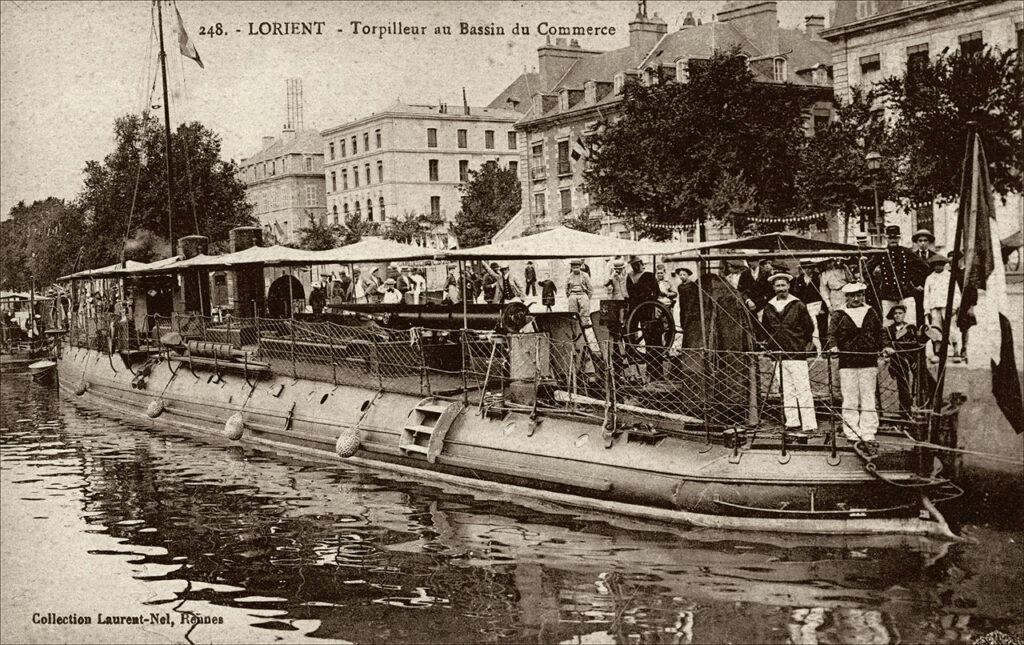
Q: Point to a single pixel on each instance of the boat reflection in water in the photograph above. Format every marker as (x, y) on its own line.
(338, 552)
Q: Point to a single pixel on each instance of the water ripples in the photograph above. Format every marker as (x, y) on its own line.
(281, 548)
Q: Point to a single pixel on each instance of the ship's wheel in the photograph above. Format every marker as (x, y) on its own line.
(650, 323)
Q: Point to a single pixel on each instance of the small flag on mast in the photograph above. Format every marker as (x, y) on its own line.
(188, 50)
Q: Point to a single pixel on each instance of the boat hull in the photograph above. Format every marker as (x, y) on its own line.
(557, 459)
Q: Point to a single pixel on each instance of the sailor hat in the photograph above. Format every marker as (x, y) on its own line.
(781, 275)
(854, 287)
(619, 263)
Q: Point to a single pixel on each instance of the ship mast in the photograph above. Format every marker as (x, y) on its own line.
(167, 127)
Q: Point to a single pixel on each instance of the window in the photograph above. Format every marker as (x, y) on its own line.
(514, 167)
(342, 147)
(330, 151)
(355, 144)
(366, 141)
(462, 139)
(358, 211)
(432, 172)
(380, 172)
(820, 75)
(870, 67)
(381, 202)
(538, 204)
(431, 137)
(489, 139)
(355, 176)
(537, 169)
(309, 164)
(367, 169)
(463, 170)
(820, 122)
(334, 211)
(344, 180)
(512, 140)
(563, 158)
(334, 182)
(284, 161)
(344, 209)
(971, 43)
(779, 70)
(565, 195)
(435, 205)
(917, 56)
(866, 8)
(376, 136)
(369, 209)
(310, 196)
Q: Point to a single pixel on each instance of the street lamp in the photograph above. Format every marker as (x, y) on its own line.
(874, 161)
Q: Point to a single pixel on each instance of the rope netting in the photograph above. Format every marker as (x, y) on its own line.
(690, 386)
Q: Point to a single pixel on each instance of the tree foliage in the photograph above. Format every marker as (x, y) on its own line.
(412, 228)
(585, 222)
(720, 140)
(490, 199)
(934, 104)
(207, 196)
(40, 242)
(319, 236)
(833, 175)
(356, 228)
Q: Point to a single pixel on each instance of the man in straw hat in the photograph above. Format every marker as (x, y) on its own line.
(855, 333)
(936, 288)
(578, 292)
(391, 295)
(615, 286)
(789, 331)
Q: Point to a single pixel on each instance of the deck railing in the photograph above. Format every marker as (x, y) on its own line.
(527, 371)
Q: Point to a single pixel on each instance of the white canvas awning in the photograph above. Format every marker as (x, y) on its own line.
(565, 242)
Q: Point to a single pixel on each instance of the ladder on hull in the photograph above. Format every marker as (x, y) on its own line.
(428, 424)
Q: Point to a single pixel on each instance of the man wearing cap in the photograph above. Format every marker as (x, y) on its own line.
(754, 285)
(789, 331)
(936, 289)
(506, 288)
(689, 308)
(391, 295)
(855, 333)
(805, 288)
(900, 275)
(530, 275)
(578, 292)
(616, 284)
(905, 362)
(641, 285)
(923, 248)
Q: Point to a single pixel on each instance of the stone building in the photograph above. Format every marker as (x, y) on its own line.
(412, 159)
(284, 182)
(576, 88)
(876, 39)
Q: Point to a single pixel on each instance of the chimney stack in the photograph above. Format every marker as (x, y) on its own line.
(757, 20)
(644, 34)
(243, 237)
(192, 245)
(813, 26)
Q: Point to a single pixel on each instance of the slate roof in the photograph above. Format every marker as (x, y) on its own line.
(520, 90)
(305, 142)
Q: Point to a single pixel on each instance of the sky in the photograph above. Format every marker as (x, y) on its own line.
(69, 69)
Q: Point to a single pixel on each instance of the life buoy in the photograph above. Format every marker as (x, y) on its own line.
(234, 427)
(347, 443)
(155, 408)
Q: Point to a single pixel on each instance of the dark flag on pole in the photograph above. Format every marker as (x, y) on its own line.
(188, 50)
(981, 253)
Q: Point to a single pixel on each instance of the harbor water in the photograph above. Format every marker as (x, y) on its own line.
(112, 531)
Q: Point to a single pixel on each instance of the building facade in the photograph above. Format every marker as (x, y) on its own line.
(576, 89)
(284, 182)
(875, 39)
(412, 160)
